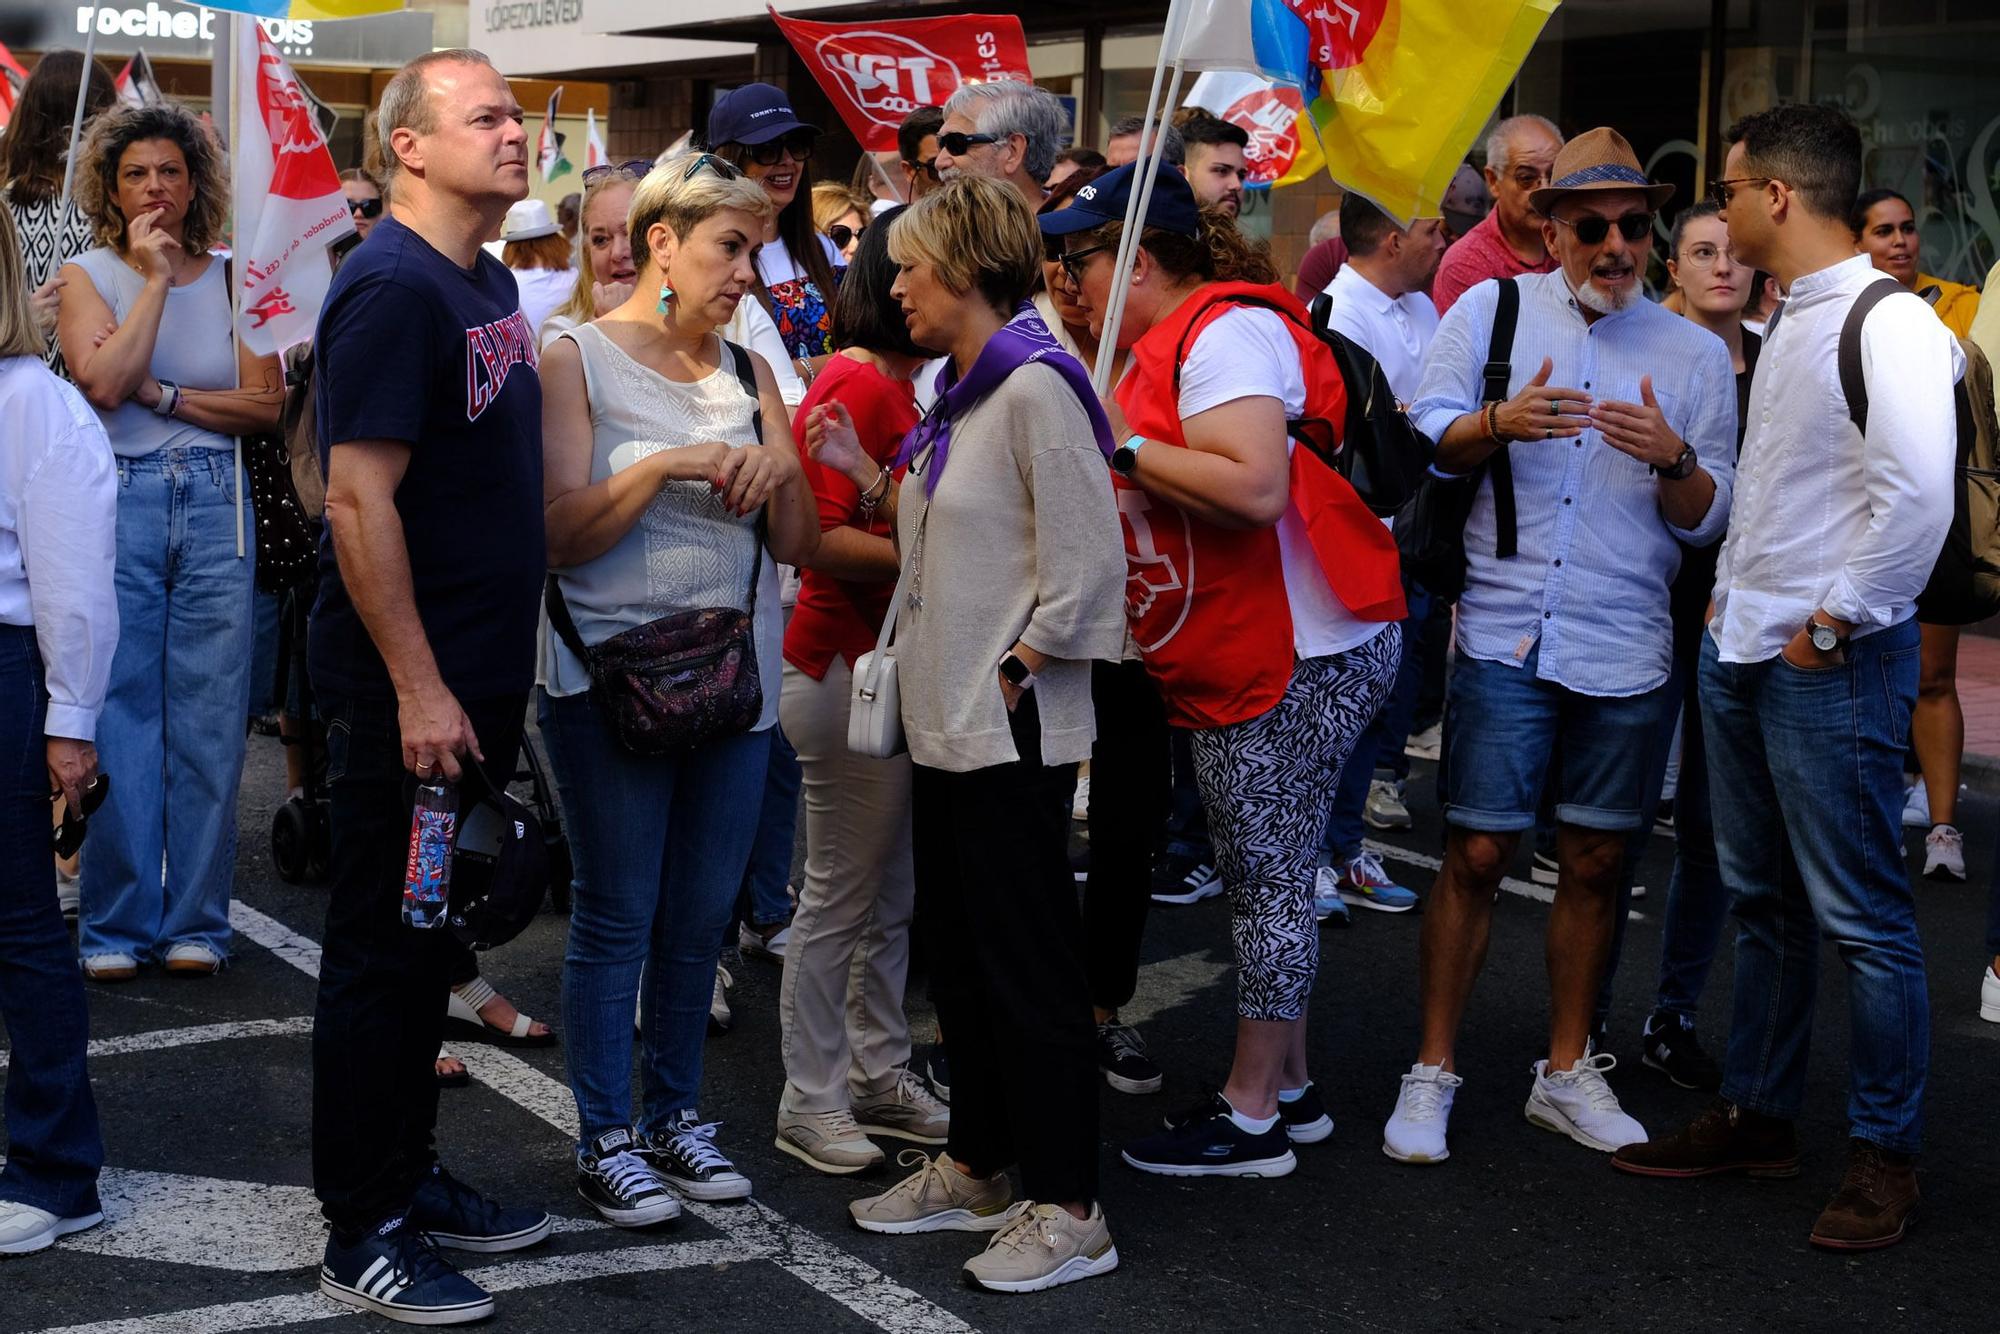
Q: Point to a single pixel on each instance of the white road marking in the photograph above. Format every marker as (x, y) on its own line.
(301, 952)
(161, 1039)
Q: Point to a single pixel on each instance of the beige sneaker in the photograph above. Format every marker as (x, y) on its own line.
(1044, 1247)
(907, 1109)
(937, 1197)
(826, 1141)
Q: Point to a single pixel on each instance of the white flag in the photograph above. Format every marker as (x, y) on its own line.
(289, 204)
(593, 146)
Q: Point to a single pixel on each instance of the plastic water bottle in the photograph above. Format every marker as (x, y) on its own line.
(433, 830)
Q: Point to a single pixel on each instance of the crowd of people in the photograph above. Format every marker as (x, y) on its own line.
(759, 492)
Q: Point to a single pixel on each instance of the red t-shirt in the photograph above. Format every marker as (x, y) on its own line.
(1480, 254)
(843, 616)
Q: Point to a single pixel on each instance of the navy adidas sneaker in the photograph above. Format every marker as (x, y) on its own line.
(1205, 1142)
(397, 1272)
(453, 1214)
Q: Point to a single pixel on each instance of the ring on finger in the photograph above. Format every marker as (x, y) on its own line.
(1548, 432)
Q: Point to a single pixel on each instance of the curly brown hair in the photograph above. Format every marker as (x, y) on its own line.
(1218, 253)
(117, 129)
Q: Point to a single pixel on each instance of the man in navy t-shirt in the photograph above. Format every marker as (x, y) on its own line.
(422, 651)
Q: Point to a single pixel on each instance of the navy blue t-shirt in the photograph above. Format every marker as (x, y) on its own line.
(411, 347)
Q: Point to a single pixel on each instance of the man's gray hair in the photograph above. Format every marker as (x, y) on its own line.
(1176, 146)
(1005, 107)
(1500, 143)
(406, 101)
(1324, 229)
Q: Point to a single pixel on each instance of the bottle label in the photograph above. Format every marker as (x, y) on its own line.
(429, 872)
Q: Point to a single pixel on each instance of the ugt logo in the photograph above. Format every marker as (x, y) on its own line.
(269, 306)
(1340, 30)
(887, 75)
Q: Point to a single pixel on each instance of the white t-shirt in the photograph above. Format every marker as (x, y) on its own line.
(543, 292)
(1248, 353)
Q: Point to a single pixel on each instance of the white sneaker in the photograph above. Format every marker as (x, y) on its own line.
(24, 1228)
(1415, 1131)
(907, 1109)
(1944, 854)
(827, 1142)
(719, 1015)
(1386, 808)
(1580, 1104)
(1426, 744)
(69, 894)
(751, 941)
(1917, 806)
(190, 959)
(110, 967)
(1079, 806)
(1989, 996)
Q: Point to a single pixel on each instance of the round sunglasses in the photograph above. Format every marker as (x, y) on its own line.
(843, 235)
(365, 208)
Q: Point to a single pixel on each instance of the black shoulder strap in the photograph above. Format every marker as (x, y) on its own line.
(746, 374)
(1495, 377)
(559, 620)
(1852, 383)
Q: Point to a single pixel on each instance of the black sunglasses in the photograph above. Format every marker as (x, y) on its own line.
(637, 166)
(69, 834)
(367, 208)
(1072, 260)
(957, 144)
(1593, 229)
(928, 168)
(1721, 190)
(721, 166)
(843, 235)
(799, 143)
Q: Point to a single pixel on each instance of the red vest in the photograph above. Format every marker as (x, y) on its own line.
(1207, 605)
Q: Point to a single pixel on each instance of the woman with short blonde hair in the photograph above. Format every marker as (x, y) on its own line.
(666, 475)
(840, 215)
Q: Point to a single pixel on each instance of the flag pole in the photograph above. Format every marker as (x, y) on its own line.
(1137, 200)
(76, 121)
(236, 74)
(895, 191)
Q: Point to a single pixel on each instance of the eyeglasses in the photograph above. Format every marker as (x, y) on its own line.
(799, 143)
(69, 834)
(928, 168)
(1702, 255)
(366, 208)
(1592, 230)
(721, 166)
(843, 235)
(958, 144)
(1721, 190)
(637, 166)
(1072, 261)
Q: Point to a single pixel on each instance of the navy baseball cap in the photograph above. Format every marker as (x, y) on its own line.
(756, 113)
(1172, 207)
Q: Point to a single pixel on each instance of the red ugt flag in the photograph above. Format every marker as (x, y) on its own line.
(876, 72)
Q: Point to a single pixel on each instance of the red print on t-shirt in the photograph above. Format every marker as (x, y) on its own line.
(492, 351)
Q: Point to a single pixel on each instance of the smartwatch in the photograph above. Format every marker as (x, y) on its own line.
(1683, 467)
(1126, 457)
(170, 398)
(1016, 672)
(1824, 637)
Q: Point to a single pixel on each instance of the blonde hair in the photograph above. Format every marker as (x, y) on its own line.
(832, 202)
(581, 308)
(978, 235)
(116, 129)
(20, 336)
(683, 201)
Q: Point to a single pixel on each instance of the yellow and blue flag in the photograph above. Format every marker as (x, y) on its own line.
(1396, 90)
(315, 10)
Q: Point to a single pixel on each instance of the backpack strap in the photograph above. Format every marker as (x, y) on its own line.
(1315, 433)
(1495, 377)
(1852, 384)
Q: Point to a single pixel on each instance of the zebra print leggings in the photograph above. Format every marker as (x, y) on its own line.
(1267, 784)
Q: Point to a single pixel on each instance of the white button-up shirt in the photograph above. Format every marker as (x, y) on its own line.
(1596, 554)
(1825, 518)
(1396, 331)
(58, 544)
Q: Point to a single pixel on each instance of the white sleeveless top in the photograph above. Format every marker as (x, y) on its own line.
(195, 349)
(687, 550)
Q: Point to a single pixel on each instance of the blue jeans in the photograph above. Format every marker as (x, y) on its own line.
(53, 1146)
(171, 735)
(1380, 749)
(769, 874)
(660, 845)
(264, 693)
(1808, 772)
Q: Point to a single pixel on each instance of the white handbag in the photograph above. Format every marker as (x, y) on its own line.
(875, 712)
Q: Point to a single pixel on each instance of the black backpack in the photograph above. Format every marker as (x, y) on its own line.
(1378, 451)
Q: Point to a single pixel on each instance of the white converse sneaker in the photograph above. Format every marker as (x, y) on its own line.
(1989, 995)
(1944, 854)
(1579, 1103)
(24, 1228)
(1415, 1132)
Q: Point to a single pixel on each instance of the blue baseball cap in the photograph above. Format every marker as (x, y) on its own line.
(756, 113)
(1172, 207)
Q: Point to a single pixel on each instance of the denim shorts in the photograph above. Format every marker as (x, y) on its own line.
(1504, 727)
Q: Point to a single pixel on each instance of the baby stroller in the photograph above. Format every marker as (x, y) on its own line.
(301, 829)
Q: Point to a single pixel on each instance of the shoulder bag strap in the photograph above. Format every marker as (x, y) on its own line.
(1496, 374)
(888, 633)
(1852, 383)
(559, 620)
(746, 375)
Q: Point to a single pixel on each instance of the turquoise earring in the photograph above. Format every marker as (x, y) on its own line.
(666, 295)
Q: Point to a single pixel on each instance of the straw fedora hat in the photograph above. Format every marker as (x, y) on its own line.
(1598, 159)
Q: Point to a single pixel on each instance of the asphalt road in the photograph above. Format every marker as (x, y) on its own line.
(203, 1088)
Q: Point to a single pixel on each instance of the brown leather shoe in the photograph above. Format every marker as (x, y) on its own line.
(1874, 1204)
(1725, 1138)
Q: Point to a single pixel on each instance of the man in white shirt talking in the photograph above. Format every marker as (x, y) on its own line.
(1808, 677)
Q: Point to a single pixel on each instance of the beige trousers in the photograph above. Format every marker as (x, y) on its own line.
(841, 1002)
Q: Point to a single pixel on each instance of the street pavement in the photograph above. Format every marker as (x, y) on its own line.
(204, 1092)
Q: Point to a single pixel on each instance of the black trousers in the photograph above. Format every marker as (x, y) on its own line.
(382, 984)
(996, 903)
(1130, 787)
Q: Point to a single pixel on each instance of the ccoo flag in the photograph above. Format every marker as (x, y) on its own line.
(1397, 89)
(289, 204)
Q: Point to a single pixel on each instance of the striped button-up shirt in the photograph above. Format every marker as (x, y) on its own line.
(1596, 555)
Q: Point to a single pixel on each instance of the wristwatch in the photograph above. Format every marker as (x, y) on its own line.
(1126, 457)
(1016, 672)
(170, 398)
(1683, 467)
(1825, 638)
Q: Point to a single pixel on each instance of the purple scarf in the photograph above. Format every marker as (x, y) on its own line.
(1021, 340)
